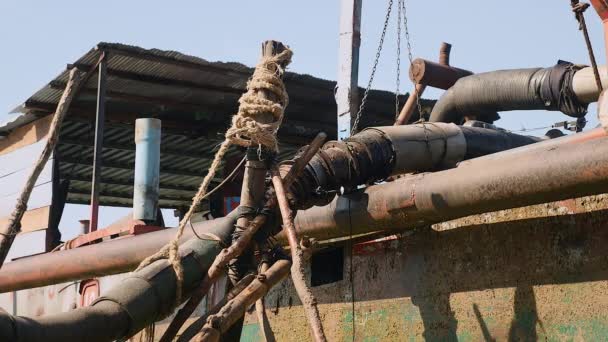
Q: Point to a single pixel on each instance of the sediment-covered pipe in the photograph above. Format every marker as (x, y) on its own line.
(147, 168)
(111, 257)
(595, 133)
(547, 173)
(125, 254)
(140, 299)
(483, 95)
(379, 152)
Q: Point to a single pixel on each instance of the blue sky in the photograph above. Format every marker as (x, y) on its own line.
(40, 37)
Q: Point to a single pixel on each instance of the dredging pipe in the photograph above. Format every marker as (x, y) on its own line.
(548, 174)
(379, 152)
(370, 155)
(111, 257)
(545, 174)
(564, 87)
(140, 299)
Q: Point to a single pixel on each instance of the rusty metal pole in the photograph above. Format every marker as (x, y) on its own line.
(435, 74)
(111, 257)
(98, 145)
(410, 104)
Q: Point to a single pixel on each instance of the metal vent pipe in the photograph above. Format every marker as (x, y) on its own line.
(147, 168)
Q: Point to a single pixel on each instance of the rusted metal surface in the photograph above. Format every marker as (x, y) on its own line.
(130, 227)
(521, 274)
(236, 307)
(519, 179)
(410, 105)
(112, 257)
(435, 74)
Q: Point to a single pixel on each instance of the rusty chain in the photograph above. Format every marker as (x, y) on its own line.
(409, 50)
(398, 59)
(355, 124)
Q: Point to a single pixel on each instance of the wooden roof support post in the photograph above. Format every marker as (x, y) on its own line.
(13, 227)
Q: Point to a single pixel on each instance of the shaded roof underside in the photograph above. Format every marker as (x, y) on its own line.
(194, 98)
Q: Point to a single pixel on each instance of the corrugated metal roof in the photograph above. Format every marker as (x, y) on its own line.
(194, 98)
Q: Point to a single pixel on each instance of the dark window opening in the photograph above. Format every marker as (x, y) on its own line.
(327, 266)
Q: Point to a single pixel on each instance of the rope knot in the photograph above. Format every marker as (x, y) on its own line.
(247, 127)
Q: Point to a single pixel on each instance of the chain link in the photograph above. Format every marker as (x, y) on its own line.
(397, 81)
(373, 73)
(409, 54)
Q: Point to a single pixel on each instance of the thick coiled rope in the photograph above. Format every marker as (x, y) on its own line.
(245, 131)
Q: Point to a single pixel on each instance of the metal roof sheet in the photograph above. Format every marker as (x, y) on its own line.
(195, 99)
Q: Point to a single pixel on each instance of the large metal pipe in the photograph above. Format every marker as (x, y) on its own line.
(368, 156)
(483, 95)
(379, 152)
(111, 257)
(140, 299)
(570, 139)
(437, 75)
(547, 173)
(585, 86)
(147, 168)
